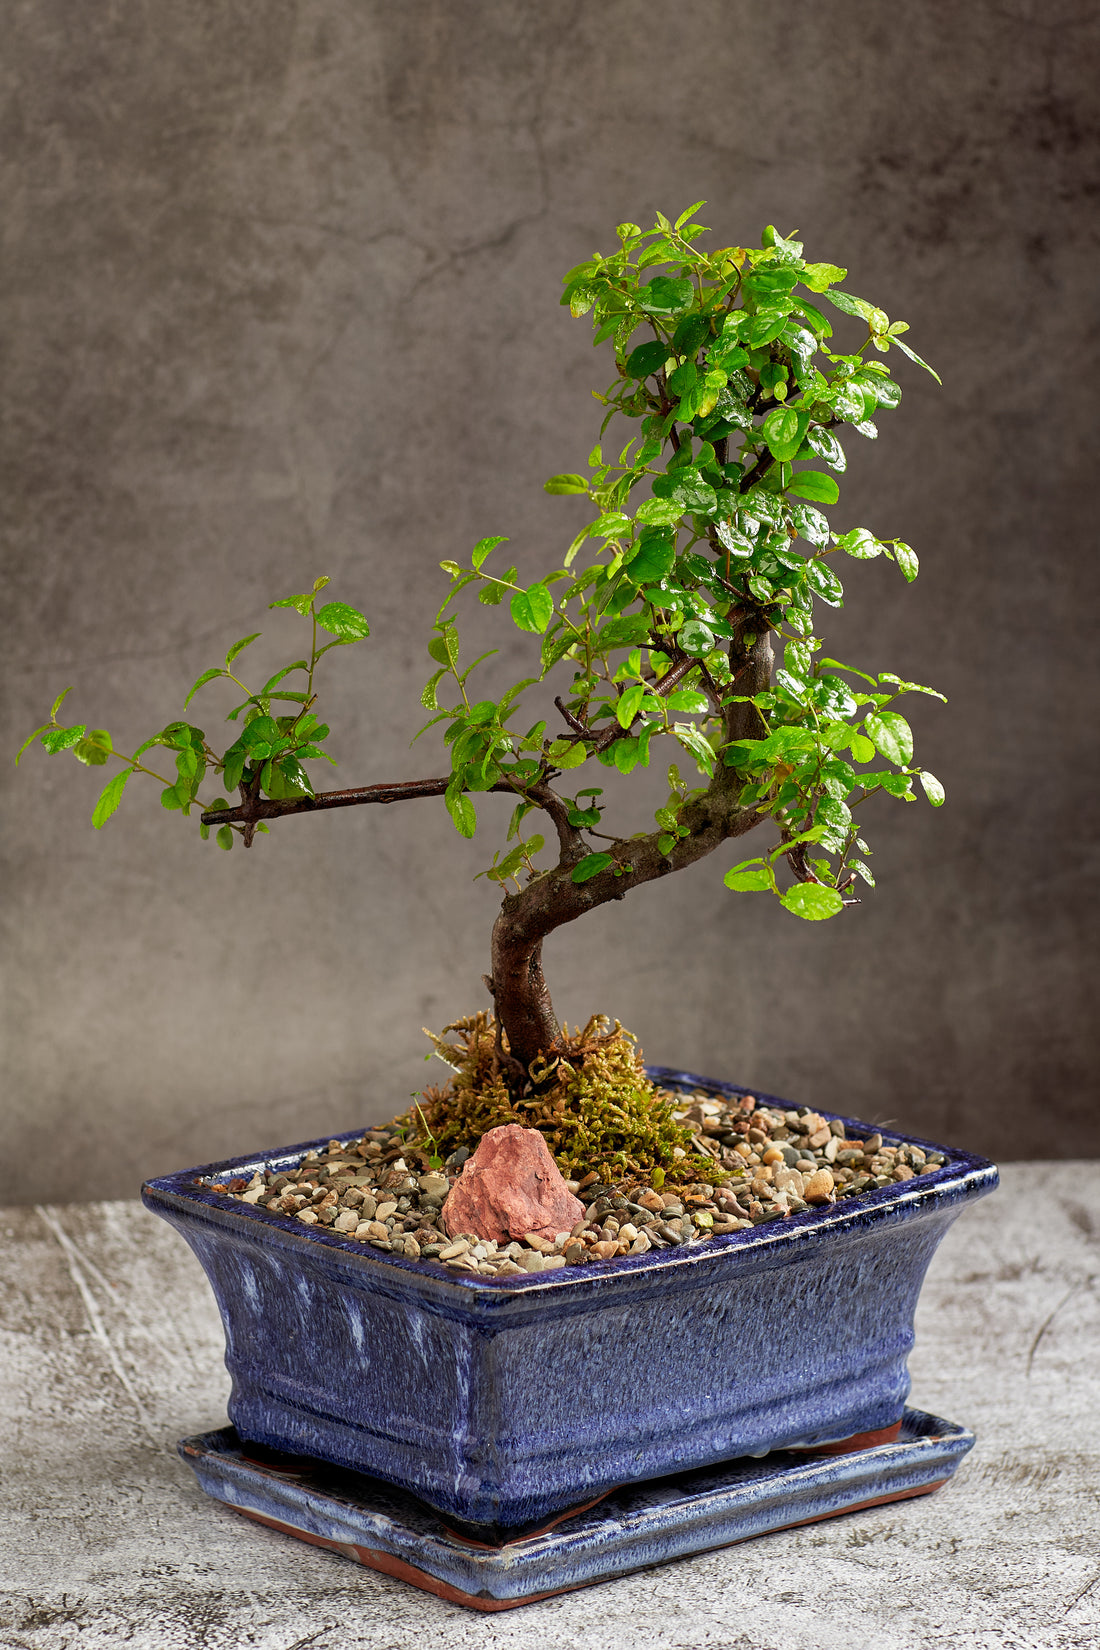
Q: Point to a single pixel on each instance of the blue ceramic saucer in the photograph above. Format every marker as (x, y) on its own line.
(629, 1529)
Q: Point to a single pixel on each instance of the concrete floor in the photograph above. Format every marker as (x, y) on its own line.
(111, 1350)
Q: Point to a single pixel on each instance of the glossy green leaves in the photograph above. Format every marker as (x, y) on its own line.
(812, 901)
(591, 866)
(533, 609)
(342, 621)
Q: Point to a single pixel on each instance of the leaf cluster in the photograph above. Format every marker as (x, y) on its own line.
(709, 529)
(264, 759)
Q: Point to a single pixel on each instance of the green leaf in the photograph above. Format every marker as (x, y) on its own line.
(692, 740)
(343, 621)
(224, 838)
(814, 485)
(906, 558)
(533, 609)
(860, 543)
(692, 332)
(686, 487)
(913, 356)
(647, 358)
(630, 704)
(690, 213)
(812, 900)
(897, 784)
(566, 484)
(933, 790)
(169, 798)
(444, 647)
(825, 444)
(665, 296)
(696, 638)
(461, 810)
(892, 735)
(95, 749)
(483, 547)
(58, 702)
(751, 876)
(783, 430)
(207, 676)
(109, 798)
(273, 682)
(910, 687)
(626, 754)
(652, 558)
(862, 748)
(245, 641)
(658, 512)
(820, 276)
(591, 866)
(765, 327)
(824, 583)
(851, 305)
(810, 524)
(611, 526)
(428, 697)
(30, 739)
(300, 604)
(737, 543)
(687, 699)
(683, 379)
(62, 739)
(571, 756)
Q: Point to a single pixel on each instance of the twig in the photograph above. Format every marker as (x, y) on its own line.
(257, 808)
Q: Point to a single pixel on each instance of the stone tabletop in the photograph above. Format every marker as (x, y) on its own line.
(112, 1350)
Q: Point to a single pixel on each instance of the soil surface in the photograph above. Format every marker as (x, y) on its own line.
(773, 1163)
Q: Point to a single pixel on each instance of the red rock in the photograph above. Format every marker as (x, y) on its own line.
(509, 1187)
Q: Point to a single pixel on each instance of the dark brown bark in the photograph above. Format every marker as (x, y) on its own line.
(264, 807)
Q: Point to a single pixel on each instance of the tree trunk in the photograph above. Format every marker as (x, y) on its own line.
(521, 998)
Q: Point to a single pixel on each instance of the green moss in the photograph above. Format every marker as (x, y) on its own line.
(597, 1108)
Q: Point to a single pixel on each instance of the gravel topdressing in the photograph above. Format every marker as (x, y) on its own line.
(776, 1163)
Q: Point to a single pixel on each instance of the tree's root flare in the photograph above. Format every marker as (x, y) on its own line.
(591, 1099)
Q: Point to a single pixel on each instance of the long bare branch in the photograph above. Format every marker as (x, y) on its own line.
(268, 808)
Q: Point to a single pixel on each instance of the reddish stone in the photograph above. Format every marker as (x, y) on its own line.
(509, 1187)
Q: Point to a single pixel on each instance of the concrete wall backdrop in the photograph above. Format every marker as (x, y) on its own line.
(280, 284)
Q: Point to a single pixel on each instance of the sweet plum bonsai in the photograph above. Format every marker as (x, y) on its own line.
(697, 576)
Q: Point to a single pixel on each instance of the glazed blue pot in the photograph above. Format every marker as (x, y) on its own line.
(503, 1401)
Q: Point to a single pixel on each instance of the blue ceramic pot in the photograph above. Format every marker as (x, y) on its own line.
(500, 1402)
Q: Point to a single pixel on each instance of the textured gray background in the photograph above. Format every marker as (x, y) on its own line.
(280, 298)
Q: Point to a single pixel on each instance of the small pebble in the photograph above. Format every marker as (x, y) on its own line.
(818, 1187)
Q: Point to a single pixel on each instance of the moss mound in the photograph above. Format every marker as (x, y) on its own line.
(599, 1111)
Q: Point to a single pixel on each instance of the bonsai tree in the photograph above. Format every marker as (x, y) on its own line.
(706, 556)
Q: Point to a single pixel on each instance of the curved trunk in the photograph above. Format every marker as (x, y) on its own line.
(522, 1001)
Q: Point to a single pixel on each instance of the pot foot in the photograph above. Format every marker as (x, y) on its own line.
(628, 1529)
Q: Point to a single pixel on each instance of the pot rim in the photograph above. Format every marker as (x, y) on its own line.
(963, 1176)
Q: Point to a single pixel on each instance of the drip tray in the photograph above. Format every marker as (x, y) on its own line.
(631, 1528)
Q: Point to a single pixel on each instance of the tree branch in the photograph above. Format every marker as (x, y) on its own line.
(256, 808)
(570, 840)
